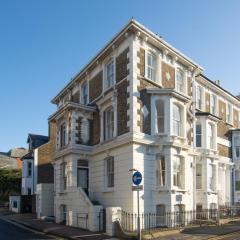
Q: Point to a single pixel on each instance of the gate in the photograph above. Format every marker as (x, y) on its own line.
(102, 220)
(82, 220)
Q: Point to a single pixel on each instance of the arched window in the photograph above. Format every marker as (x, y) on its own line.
(160, 116)
(176, 120)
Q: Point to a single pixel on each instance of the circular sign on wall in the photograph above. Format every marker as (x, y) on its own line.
(137, 178)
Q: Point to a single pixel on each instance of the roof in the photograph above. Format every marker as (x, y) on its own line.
(17, 152)
(36, 140)
(29, 155)
(139, 27)
(218, 86)
(7, 161)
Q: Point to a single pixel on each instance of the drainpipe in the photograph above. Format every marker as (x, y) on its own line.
(196, 71)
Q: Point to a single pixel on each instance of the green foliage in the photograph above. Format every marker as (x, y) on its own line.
(10, 183)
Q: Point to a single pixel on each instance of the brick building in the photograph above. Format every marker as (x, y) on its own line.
(140, 103)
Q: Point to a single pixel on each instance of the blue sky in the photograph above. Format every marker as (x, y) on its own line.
(44, 43)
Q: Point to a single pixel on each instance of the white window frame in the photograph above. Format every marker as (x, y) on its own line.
(178, 180)
(151, 70)
(210, 135)
(107, 83)
(177, 122)
(199, 97)
(109, 172)
(29, 169)
(160, 171)
(229, 113)
(107, 125)
(213, 104)
(200, 135)
(83, 100)
(198, 176)
(63, 135)
(180, 87)
(160, 118)
(63, 167)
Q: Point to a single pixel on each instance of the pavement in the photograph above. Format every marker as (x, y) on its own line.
(230, 231)
(50, 228)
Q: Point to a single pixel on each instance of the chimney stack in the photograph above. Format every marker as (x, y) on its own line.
(217, 82)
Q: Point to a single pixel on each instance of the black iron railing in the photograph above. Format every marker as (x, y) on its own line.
(177, 219)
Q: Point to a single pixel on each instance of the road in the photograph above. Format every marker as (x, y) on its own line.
(230, 236)
(13, 232)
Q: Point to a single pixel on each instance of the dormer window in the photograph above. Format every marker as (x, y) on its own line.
(84, 93)
(110, 74)
(180, 81)
(151, 66)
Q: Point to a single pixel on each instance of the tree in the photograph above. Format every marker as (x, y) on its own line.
(10, 183)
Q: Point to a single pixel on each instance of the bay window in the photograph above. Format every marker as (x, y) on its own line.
(212, 177)
(151, 66)
(160, 171)
(210, 136)
(180, 81)
(108, 123)
(160, 119)
(177, 171)
(177, 125)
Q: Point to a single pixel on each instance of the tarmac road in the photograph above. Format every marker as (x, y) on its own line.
(10, 231)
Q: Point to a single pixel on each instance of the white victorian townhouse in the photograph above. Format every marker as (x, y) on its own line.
(141, 104)
(236, 160)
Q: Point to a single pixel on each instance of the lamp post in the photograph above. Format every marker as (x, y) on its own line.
(137, 179)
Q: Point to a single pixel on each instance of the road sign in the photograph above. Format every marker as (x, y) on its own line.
(137, 188)
(137, 178)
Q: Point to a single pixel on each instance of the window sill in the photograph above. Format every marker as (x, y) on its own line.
(108, 190)
(151, 81)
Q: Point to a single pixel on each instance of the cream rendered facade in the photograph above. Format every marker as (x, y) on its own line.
(158, 95)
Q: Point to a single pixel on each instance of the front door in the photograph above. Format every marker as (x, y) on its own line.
(83, 179)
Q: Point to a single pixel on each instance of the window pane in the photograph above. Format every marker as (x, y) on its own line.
(160, 115)
(151, 66)
(198, 135)
(176, 120)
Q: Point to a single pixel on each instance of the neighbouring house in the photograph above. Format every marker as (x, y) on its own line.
(29, 169)
(140, 103)
(45, 175)
(12, 158)
(26, 202)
